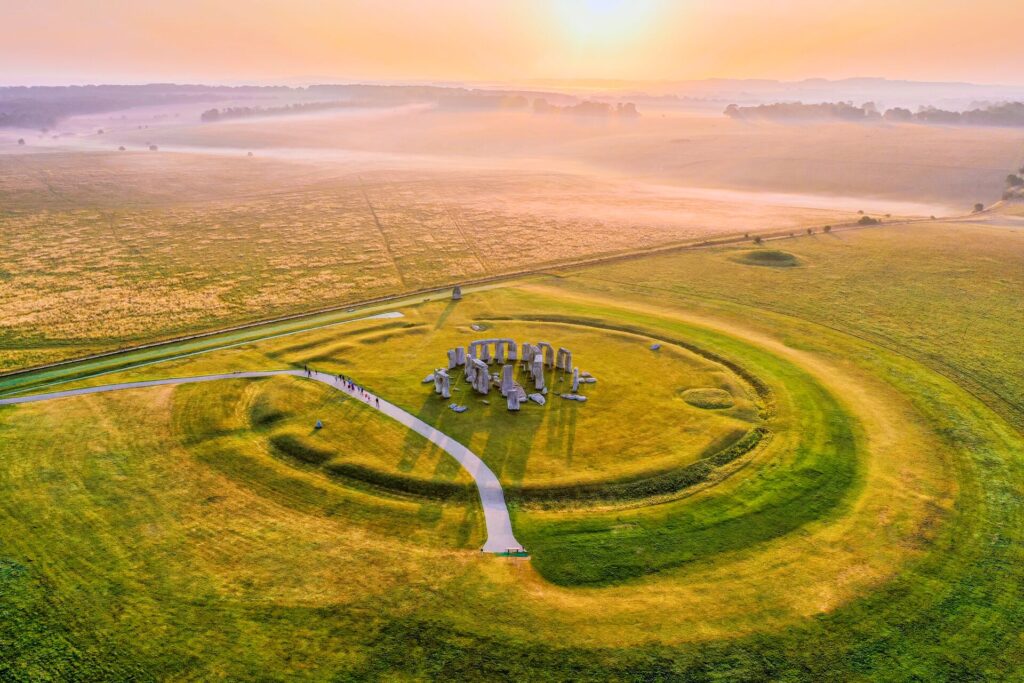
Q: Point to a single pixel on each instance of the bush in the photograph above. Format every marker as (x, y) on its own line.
(868, 220)
(827, 228)
(979, 207)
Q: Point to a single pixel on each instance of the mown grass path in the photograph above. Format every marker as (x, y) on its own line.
(500, 537)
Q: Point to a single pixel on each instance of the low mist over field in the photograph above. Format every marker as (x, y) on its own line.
(192, 205)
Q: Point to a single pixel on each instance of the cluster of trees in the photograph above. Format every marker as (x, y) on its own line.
(1010, 114)
(587, 108)
(43, 107)
(795, 111)
(1015, 185)
(211, 115)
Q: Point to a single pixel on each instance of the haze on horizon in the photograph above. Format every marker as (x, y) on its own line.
(73, 41)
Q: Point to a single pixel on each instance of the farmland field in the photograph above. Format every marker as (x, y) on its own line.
(104, 249)
(817, 476)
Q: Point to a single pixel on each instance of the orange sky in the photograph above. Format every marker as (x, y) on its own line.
(58, 41)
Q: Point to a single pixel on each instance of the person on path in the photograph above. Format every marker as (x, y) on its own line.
(378, 403)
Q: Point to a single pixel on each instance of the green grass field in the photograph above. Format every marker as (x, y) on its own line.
(817, 477)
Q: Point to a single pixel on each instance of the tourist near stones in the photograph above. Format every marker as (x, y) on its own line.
(533, 359)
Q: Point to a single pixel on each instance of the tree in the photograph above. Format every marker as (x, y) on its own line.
(810, 231)
(868, 220)
(979, 207)
(758, 240)
(827, 228)
(1014, 180)
(21, 141)
(899, 114)
(121, 148)
(153, 148)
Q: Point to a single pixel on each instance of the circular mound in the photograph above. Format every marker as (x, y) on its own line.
(773, 258)
(708, 398)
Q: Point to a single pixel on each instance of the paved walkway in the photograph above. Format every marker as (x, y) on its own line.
(499, 527)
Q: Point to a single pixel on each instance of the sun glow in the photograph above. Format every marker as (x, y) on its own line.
(603, 22)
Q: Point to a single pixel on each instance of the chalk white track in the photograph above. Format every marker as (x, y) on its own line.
(499, 526)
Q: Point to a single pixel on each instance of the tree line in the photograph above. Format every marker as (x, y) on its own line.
(1006, 114)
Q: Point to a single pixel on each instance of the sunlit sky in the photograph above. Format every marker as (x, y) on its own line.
(75, 41)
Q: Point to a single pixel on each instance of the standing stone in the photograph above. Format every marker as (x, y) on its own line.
(485, 352)
(564, 361)
(481, 377)
(453, 359)
(538, 372)
(528, 352)
(457, 293)
(460, 356)
(446, 385)
(506, 379)
(512, 356)
(499, 351)
(575, 380)
(513, 399)
(549, 353)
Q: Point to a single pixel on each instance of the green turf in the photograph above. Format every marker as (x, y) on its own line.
(201, 533)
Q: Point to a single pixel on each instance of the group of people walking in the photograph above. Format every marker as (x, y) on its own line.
(351, 386)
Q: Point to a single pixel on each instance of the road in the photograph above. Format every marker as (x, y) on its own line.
(500, 537)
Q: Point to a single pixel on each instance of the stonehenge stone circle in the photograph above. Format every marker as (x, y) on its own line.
(534, 359)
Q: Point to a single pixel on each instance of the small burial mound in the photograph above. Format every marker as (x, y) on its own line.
(773, 258)
(708, 398)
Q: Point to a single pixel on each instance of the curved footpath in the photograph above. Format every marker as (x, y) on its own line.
(499, 526)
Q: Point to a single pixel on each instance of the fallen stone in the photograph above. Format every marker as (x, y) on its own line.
(589, 380)
(476, 328)
(655, 347)
(573, 397)
(428, 379)
(538, 399)
(457, 408)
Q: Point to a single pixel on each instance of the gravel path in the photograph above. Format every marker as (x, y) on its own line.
(499, 526)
